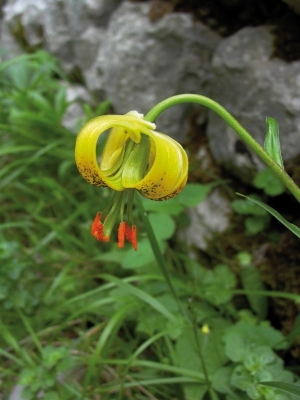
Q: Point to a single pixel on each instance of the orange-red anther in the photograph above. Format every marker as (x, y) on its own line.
(133, 237)
(130, 234)
(97, 229)
(121, 234)
(124, 231)
(127, 232)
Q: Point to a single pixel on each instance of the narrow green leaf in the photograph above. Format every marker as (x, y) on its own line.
(270, 293)
(150, 382)
(295, 331)
(295, 229)
(107, 334)
(16, 149)
(11, 357)
(11, 341)
(286, 387)
(141, 295)
(30, 330)
(272, 144)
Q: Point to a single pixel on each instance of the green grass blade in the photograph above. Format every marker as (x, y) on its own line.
(31, 332)
(142, 295)
(170, 368)
(290, 296)
(107, 334)
(16, 149)
(11, 357)
(148, 382)
(293, 228)
(12, 342)
(290, 388)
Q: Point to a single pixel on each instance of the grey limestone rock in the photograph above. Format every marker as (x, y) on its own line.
(9, 45)
(16, 393)
(141, 62)
(26, 17)
(69, 29)
(209, 217)
(76, 95)
(58, 33)
(252, 85)
(100, 10)
(86, 48)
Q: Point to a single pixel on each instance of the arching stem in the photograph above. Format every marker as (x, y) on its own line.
(233, 123)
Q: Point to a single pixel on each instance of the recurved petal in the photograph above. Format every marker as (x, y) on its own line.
(113, 147)
(168, 173)
(86, 143)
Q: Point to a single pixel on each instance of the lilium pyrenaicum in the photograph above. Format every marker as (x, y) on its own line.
(135, 157)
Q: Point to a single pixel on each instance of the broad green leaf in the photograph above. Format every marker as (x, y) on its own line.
(290, 388)
(256, 224)
(214, 285)
(243, 337)
(172, 206)
(115, 256)
(211, 346)
(295, 229)
(163, 225)
(194, 193)
(245, 207)
(269, 182)
(251, 279)
(221, 381)
(272, 144)
(144, 255)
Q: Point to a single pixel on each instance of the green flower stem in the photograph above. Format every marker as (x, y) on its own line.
(164, 269)
(158, 254)
(233, 123)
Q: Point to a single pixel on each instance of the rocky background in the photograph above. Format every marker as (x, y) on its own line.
(243, 53)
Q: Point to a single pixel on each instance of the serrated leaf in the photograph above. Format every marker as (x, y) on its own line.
(272, 144)
(295, 229)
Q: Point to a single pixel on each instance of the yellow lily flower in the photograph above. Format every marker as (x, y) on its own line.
(135, 157)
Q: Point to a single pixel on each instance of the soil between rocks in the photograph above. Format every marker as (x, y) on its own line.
(226, 20)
